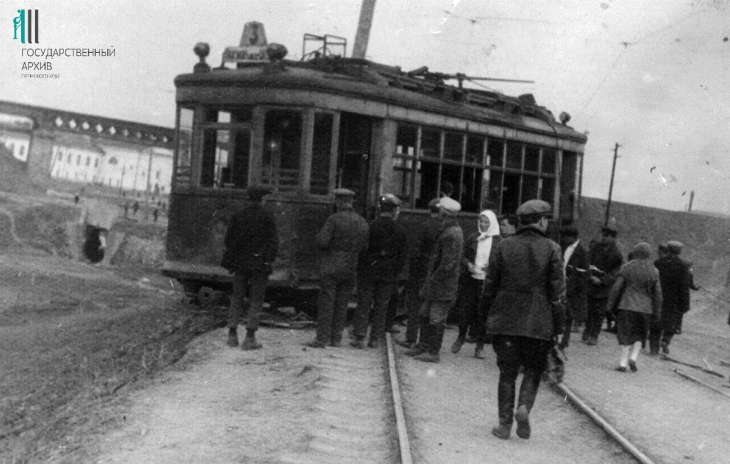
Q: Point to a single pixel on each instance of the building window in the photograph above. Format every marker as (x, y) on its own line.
(282, 149)
(68, 159)
(157, 174)
(88, 160)
(78, 160)
(96, 162)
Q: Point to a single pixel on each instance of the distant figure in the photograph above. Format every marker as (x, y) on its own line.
(341, 239)
(506, 227)
(135, 208)
(99, 219)
(447, 189)
(155, 213)
(126, 208)
(76, 199)
(524, 297)
(637, 296)
(251, 243)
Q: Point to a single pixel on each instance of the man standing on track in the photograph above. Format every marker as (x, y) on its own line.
(605, 262)
(441, 284)
(524, 293)
(251, 243)
(342, 238)
(377, 272)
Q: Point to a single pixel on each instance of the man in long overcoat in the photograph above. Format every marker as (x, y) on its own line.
(342, 238)
(524, 293)
(251, 244)
(575, 264)
(441, 284)
(675, 279)
(605, 262)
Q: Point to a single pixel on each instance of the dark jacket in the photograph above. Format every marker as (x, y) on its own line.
(423, 242)
(675, 281)
(342, 238)
(576, 282)
(386, 252)
(470, 253)
(251, 240)
(524, 290)
(442, 280)
(608, 259)
(637, 289)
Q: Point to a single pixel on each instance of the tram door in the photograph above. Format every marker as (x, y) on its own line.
(353, 161)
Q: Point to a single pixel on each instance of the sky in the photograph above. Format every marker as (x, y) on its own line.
(653, 77)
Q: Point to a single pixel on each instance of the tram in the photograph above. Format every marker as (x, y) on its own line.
(304, 128)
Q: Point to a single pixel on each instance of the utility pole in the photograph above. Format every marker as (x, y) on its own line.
(610, 188)
(363, 29)
(691, 200)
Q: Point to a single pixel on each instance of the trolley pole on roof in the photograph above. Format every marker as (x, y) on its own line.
(363, 29)
(610, 188)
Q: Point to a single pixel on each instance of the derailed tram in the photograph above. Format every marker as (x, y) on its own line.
(304, 128)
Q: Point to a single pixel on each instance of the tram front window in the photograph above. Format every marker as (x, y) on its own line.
(282, 149)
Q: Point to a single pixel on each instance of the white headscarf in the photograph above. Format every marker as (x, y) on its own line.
(484, 244)
(493, 224)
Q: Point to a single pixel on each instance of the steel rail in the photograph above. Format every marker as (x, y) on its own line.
(695, 379)
(400, 419)
(603, 423)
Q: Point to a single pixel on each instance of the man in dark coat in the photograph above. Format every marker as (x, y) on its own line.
(441, 284)
(251, 243)
(605, 261)
(524, 293)
(342, 238)
(575, 264)
(377, 272)
(675, 279)
(423, 242)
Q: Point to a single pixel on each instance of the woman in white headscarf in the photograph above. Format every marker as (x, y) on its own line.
(478, 248)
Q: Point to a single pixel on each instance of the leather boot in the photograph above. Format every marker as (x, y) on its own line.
(456, 346)
(479, 351)
(528, 393)
(505, 409)
(250, 343)
(233, 338)
(437, 339)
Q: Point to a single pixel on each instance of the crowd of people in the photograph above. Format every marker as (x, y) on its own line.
(511, 287)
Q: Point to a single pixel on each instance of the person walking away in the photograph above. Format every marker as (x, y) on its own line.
(605, 262)
(575, 265)
(676, 281)
(441, 284)
(637, 296)
(377, 273)
(341, 239)
(420, 253)
(524, 293)
(251, 244)
(478, 248)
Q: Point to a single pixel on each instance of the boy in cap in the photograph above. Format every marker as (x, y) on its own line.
(524, 293)
(377, 273)
(342, 238)
(441, 284)
(251, 243)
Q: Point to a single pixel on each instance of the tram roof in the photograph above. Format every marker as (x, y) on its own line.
(387, 84)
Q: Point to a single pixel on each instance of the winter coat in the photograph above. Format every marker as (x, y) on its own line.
(637, 289)
(442, 280)
(675, 281)
(251, 241)
(524, 290)
(423, 242)
(608, 259)
(576, 282)
(387, 251)
(342, 238)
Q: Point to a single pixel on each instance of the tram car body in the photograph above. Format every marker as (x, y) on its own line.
(304, 128)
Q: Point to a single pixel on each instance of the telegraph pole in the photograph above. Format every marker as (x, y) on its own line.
(610, 188)
(362, 37)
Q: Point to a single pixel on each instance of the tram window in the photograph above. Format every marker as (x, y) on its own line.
(529, 188)
(403, 160)
(451, 174)
(471, 189)
(283, 142)
(532, 158)
(453, 146)
(428, 188)
(321, 153)
(568, 184)
(474, 150)
(514, 155)
(184, 143)
(225, 159)
(495, 152)
(547, 192)
(492, 190)
(510, 193)
(548, 161)
(430, 143)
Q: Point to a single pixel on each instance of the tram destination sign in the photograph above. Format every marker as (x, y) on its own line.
(248, 54)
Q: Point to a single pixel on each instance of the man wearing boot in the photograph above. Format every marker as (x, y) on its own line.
(441, 284)
(675, 279)
(421, 248)
(342, 238)
(251, 244)
(575, 264)
(377, 272)
(605, 261)
(524, 293)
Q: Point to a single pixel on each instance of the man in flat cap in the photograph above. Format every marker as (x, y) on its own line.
(676, 280)
(605, 261)
(575, 264)
(422, 245)
(524, 293)
(441, 284)
(342, 238)
(377, 272)
(251, 244)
